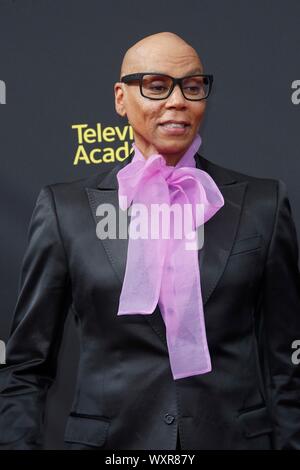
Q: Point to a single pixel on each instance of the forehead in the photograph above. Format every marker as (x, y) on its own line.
(164, 60)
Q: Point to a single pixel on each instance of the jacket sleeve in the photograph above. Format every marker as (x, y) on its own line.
(281, 317)
(36, 331)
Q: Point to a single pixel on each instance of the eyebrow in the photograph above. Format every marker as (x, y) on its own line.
(194, 71)
(190, 72)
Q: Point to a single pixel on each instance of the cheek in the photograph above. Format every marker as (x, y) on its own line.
(134, 107)
(148, 117)
(198, 112)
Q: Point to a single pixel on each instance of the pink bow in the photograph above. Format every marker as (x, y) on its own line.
(160, 268)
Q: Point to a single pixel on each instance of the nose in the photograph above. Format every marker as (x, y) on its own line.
(176, 98)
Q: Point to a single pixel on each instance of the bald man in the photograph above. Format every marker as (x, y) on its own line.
(126, 396)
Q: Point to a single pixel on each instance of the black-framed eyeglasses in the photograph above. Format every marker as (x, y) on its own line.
(159, 86)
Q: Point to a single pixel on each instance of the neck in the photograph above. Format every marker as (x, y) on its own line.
(171, 159)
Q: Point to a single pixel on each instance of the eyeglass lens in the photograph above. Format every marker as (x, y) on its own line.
(158, 86)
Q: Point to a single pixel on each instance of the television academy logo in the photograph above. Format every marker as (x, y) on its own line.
(2, 92)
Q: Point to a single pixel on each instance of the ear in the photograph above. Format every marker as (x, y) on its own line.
(119, 99)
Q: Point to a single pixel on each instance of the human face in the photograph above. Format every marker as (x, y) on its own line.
(146, 116)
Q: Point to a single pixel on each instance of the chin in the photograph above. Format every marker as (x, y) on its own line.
(173, 147)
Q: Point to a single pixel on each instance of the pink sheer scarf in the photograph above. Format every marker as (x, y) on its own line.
(160, 269)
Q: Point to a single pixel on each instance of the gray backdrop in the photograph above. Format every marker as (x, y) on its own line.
(59, 60)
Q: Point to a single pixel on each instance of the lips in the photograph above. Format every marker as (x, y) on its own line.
(174, 123)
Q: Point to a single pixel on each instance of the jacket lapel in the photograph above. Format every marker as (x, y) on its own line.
(219, 231)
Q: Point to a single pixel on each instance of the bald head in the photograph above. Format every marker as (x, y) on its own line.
(159, 51)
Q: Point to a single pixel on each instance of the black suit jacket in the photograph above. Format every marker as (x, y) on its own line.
(125, 395)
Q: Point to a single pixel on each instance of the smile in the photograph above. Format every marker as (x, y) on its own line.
(173, 124)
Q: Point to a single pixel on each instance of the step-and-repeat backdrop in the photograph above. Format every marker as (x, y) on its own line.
(59, 60)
